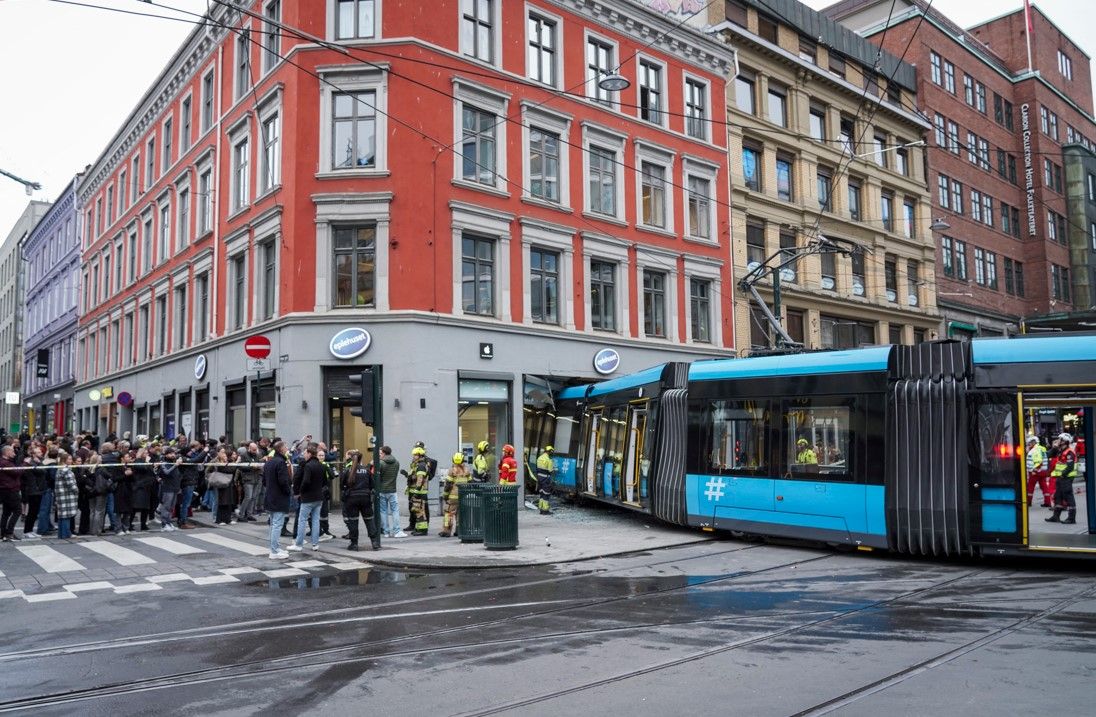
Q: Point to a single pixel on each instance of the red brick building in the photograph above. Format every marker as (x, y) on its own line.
(1018, 246)
(441, 189)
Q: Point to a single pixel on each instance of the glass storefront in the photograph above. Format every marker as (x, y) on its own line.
(236, 414)
(263, 409)
(344, 430)
(483, 414)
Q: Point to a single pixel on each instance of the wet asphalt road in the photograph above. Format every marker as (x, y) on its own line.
(722, 628)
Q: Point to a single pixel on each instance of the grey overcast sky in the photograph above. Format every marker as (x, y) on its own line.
(72, 74)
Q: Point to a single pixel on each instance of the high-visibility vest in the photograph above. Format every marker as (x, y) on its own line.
(806, 456)
(1037, 458)
(545, 465)
(1065, 457)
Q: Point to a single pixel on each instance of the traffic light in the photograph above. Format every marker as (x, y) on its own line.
(363, 396)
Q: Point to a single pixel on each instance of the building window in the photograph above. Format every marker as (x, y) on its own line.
(1052, 226)
(991, 270)
(700, 207)
(544, 286)
(947, 259)
(599, 62)
(784, 177)
(544, 166)
(953, 137)
(886, 210)
(1059, 283)
(700, 310)
(355, 263)
(755, 244)
(183, 227)
(828, 262)
(650, 92)
(205, 204)
(751, 167)
(184, 126)
(789, 250)
(1019, 269)
(890, 275)
(542, 50)
(240, 158)
(146, 246)
(837, 64)
(477, 29)
(654, 303)
(902, 161)
(354, 129)
(271, 171)
(150, 164)
(961, 260)
(909, 216)
(207, 101)
(135, 178)
(879, 142)
(854, 199)
(268, 256)
(808, 50)
(653, 190)
(949, 77)
(980, 97)
(164, 249)
(937, 68)
(272, 14)
(243, 63)
(180, 317)
(696, 109)
(744, 95)
(201, 306)
(478, 145)
(1065, 65)
(168, 134)
(943, 193)
(131, 257)
(478, 275)
(825, 187)
(602, 295)
(602, 180)
(968, 89)
(355, 19)
(956, 196)
(778, 101)
(161, 325)
(817, 123)
(767, 30)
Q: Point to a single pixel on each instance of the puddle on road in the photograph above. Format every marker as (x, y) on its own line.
(365, 576)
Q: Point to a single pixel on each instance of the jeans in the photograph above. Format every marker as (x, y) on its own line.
(277, 519)
(97, 507)
(390, 514)
(247, 505)
(186, 496)
(45, 511)
(64, 527)
(309, 512)
(167, 502)
(209, 500)
(110, 513)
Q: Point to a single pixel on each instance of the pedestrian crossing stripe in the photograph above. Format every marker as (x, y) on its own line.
(49, 559)
(121, 555)
(237, 545)
(171, 546)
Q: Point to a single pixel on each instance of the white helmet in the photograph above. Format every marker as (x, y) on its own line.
(1065, 437)
(1032, 439)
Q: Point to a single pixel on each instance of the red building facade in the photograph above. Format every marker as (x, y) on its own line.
(443, 184)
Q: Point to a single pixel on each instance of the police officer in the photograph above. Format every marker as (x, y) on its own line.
(805, 453)
(481, 467)
(545, 469)
(450, 492)
(358, 488)
(1037, 471)
(1065, 470)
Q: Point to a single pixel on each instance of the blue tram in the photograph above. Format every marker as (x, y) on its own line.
(913, 449)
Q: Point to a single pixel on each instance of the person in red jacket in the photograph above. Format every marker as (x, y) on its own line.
(508, 467)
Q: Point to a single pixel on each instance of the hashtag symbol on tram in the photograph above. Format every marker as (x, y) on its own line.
(715, 488)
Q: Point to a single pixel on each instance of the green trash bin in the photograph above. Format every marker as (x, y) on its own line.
(500, 517)
(470, 512)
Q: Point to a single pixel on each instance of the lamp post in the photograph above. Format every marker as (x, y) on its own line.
(614, 82)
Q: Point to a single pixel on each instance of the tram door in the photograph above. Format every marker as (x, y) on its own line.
(633, 455)
(590, 453)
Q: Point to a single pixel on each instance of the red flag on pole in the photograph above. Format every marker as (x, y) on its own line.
(1029, 26)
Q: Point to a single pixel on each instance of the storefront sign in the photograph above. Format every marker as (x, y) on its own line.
(487, 351)
(41, 368)
(94, 394)
(350, 343)
(200, 367)
(1029, 170)
(11, 398)
(606, 361)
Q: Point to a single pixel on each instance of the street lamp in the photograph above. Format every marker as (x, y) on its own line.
(939, 225)
(614, 82)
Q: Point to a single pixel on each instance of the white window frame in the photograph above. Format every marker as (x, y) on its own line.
(351, 78)
(485, 99)
(558, 46)
(710, 270)
(589, 86)
(163, 242)
(269, 108)
(543, 235)
(211, 100)
(599, 247)
(468, 53)
(665, 262)
(696, 167)
(358, 208)
(594, 134)
(239, 90)
(489, 224)
(186, 124)
(267, 231)
(168, 135)
(179, 336)
(667, 159)
(706, 124)
(199, 268)
(240, 197)
(205, 226)
(183, 239)
(236, 248)
(662, 110)
(560, 124)
(269, 29)
(332, 22)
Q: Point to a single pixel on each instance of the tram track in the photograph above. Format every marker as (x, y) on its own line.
(324, 657)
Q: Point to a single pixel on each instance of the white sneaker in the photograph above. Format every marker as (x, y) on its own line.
(31, 536)
(294, 548)
(280, 555)
(400, 534)
(167, 528)
(315, 548)
(324, 538)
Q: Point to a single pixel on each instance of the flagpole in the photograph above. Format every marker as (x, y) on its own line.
(1027, 31)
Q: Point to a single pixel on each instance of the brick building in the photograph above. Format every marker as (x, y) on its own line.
(439, 189)
(824, 144)
(1010, 158)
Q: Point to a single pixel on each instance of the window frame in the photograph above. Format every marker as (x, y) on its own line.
(488, 101)
(353, 252)
(545, 276)
(493, 23)
(691, 120)
(647, 66)
(348, 79)
(532, 46)
(334, 26)
(547, 121)
(593, 71)
(476, 260)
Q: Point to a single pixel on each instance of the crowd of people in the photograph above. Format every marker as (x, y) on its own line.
(78, 486)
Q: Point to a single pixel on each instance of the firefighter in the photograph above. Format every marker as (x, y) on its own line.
(481, 467)
(418, 480)
(1065, 470)
(805, 453)
(358, 489)
(1037, 471)
(450, 492)
(508, 467)
(431, 471)
(545, 469)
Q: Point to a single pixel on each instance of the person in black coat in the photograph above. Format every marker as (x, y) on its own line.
(358, 489)
(190, 476)
(308, 485)
(277, 478)
(144, 488)
(123, 494)
(226, 492)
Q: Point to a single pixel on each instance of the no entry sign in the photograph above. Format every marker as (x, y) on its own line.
(257, 347)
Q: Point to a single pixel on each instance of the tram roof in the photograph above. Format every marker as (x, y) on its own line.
(1034, 350)
(872, 358)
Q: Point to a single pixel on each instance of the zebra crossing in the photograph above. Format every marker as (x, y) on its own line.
(64, 571)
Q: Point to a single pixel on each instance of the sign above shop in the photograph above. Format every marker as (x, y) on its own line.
(606, 361)
(200, 365)
(42, 364)
(11, 398)
(94, 394)
(487, 351)
(350, 343)
(257, 347)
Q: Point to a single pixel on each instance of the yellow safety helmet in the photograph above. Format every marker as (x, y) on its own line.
(802, 442)
(418, 451)
(549, 449)
(482, 446)
(458, 458)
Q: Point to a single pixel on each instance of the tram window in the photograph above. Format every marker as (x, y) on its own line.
(817, 440)
(565, 427)
(998, 450)
(737, 436)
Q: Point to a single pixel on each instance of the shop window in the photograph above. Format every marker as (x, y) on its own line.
(235, 415)
(263, 410)
(483, 414)
(737, 437)
(817, 439)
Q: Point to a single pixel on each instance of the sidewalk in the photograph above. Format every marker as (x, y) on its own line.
(571, 533)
